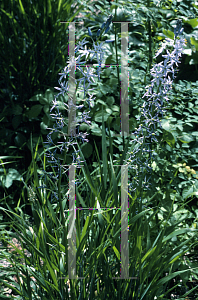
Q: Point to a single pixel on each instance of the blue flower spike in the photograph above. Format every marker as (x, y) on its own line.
(156, 94)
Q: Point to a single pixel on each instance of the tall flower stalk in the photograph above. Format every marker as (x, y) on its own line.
(156, 95)
(86, 79)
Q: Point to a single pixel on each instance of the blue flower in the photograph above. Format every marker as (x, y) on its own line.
(98, 50)
(64, 88)
(84, 52)
(81, 45)
(171, 57)
(158, 73)
(87, 76)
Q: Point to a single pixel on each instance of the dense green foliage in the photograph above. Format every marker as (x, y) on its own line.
(163, 225)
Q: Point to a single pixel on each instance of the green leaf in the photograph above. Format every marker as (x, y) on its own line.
(185, 138)
(59, 5)
(168, 34)
(84, 229)
(109, 60)
(87, 150)
(10, 176)
(116, 252)
(150, 252)
(189, 191)
(34, 111)
(166, 125)
(115, 186)
(169, 138)
(21, 7)
(49, 95)
(16, 121)
(9, 16)
(178, 232)
(192, 22)
(194, 42)
(104, 152)
(113, 81)
(169, 277)
(110, 100)
(98, 116)
(17, 110)
(19, 139)
(5, 157)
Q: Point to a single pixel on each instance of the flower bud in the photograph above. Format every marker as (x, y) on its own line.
(107, 29)
(109, 20)
(103, 25)
(178, 29)
(98, 33)
(89, 31)
(109, 41)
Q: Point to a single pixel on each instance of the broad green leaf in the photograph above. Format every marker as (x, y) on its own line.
(34, 111)
(169, 138)
(98, 116)
(192, 22)
(189, 191)
(49, 95)
(168, 33)
(87, 150)
(186, 138)
(10, 176)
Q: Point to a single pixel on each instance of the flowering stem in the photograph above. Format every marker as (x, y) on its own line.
(154, 103)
